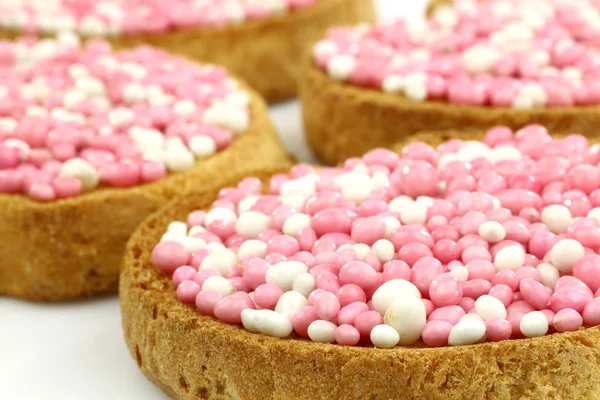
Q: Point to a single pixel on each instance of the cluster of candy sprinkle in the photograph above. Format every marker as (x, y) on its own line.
(116, 17)
(73, 118)
(504, 53)
(468, 242)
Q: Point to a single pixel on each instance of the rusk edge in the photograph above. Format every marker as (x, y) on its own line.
(344, 121)
(72, 248)
(265, 53)
(191, 356)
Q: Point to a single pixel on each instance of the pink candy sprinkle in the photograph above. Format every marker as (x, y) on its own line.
(422, 265)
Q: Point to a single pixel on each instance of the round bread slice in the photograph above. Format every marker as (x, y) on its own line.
(191, 356)
(73, 247)
(266, 53)
(344, 121)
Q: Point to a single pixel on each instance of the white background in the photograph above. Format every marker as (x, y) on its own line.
(76, 351)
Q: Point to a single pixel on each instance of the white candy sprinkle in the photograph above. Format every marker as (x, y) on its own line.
(504, 153)
(220, 214)
(594, 212)
(284, 273)
(466, 332)
(228, 117)
(490, 307)
(203, 146)
(321, 331)
(492, 231)
(461, 272)
(383, 250)
(557, 218)
(196, 229)
(479, 59)
(408, 317)
(179, 160)
(82, 170)
(120, 116)
(304, 186)
(219, 284)
(304, 283)
(535, 93)
(249, 319)
(471, 317)
(393, 84)
(548, 274)
(290, 303)
(134, 92)
(214, 246)
(192, 244)
(359, 190)
(295, 223)
(534, 324)
(361, 250)
(565, 253)
(391, 290)
(272, 323)
(325, 48)
(446, 17)
(178, 228)
(414, 213)
(185, 108)
(7, 124)
(415, 91)
(18, 143)
(238, 99)
(399, 203)
(341, 67)
(247, 203)
(510, 257)
(391, 223)
(294, 200)
(384, 336)
(250, 223)
(252, 247)
(221, 260)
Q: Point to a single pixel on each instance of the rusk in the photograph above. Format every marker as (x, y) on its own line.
(344, 121)
(191, 356)
(265, 53)
(73, 248)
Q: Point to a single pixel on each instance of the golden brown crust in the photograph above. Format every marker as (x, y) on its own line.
(433, 4)
(265, 53)
(343, 121)
(191, 356)
(72, 248)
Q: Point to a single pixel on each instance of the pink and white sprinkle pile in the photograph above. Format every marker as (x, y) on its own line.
(130, 17)
(467, 242)
(75, 117)
(502, 53)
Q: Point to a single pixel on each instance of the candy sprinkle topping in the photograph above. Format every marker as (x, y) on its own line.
(467, 242)
(75, 117)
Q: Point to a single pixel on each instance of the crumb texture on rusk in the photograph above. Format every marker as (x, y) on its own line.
(266, 53)
(344, 121)
(191, 356)
(73, 247)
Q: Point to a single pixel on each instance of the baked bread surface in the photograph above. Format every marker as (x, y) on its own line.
(73, 247)
(266, 53)
(191, 356)
(344, 121)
